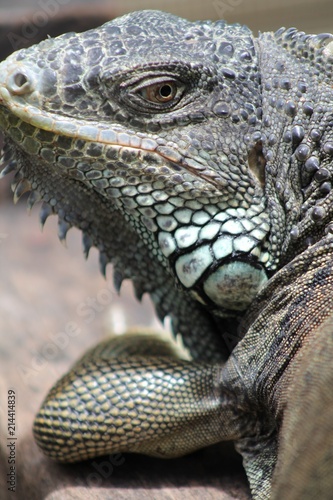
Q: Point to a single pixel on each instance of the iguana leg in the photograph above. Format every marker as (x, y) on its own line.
(304, 469)
(259, 458)
(258, 442)
(117, 399)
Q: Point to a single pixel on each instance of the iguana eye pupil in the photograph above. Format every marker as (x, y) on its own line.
(160, 92)
(165, 91)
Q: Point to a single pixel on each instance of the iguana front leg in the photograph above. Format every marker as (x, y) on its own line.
(134, 394)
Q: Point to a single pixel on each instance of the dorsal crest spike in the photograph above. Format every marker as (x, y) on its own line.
(45, 212)
(87, 244)
(103, 261)
(63, 227)
(23, 186)
(34, 197)
(8, 168)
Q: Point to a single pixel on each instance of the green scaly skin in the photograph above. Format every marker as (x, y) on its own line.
(198, 160)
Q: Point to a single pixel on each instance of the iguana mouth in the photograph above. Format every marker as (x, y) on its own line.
(115, 137)
(20, 95)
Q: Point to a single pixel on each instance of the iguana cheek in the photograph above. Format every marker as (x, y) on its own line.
(231, 285)
(219, 259)
(235, 285)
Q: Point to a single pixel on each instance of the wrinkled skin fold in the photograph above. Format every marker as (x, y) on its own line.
(198, 160)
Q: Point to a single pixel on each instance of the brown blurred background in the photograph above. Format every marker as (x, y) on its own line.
(44, 287)
(24, 22)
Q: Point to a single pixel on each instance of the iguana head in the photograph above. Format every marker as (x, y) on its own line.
(162, 117)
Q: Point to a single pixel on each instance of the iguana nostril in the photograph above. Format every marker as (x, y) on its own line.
(20, 79)
(19, 82)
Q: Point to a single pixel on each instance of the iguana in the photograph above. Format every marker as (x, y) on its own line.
(198, 160)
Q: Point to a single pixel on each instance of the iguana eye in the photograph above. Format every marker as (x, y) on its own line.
(159, 92)
(152, 94)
